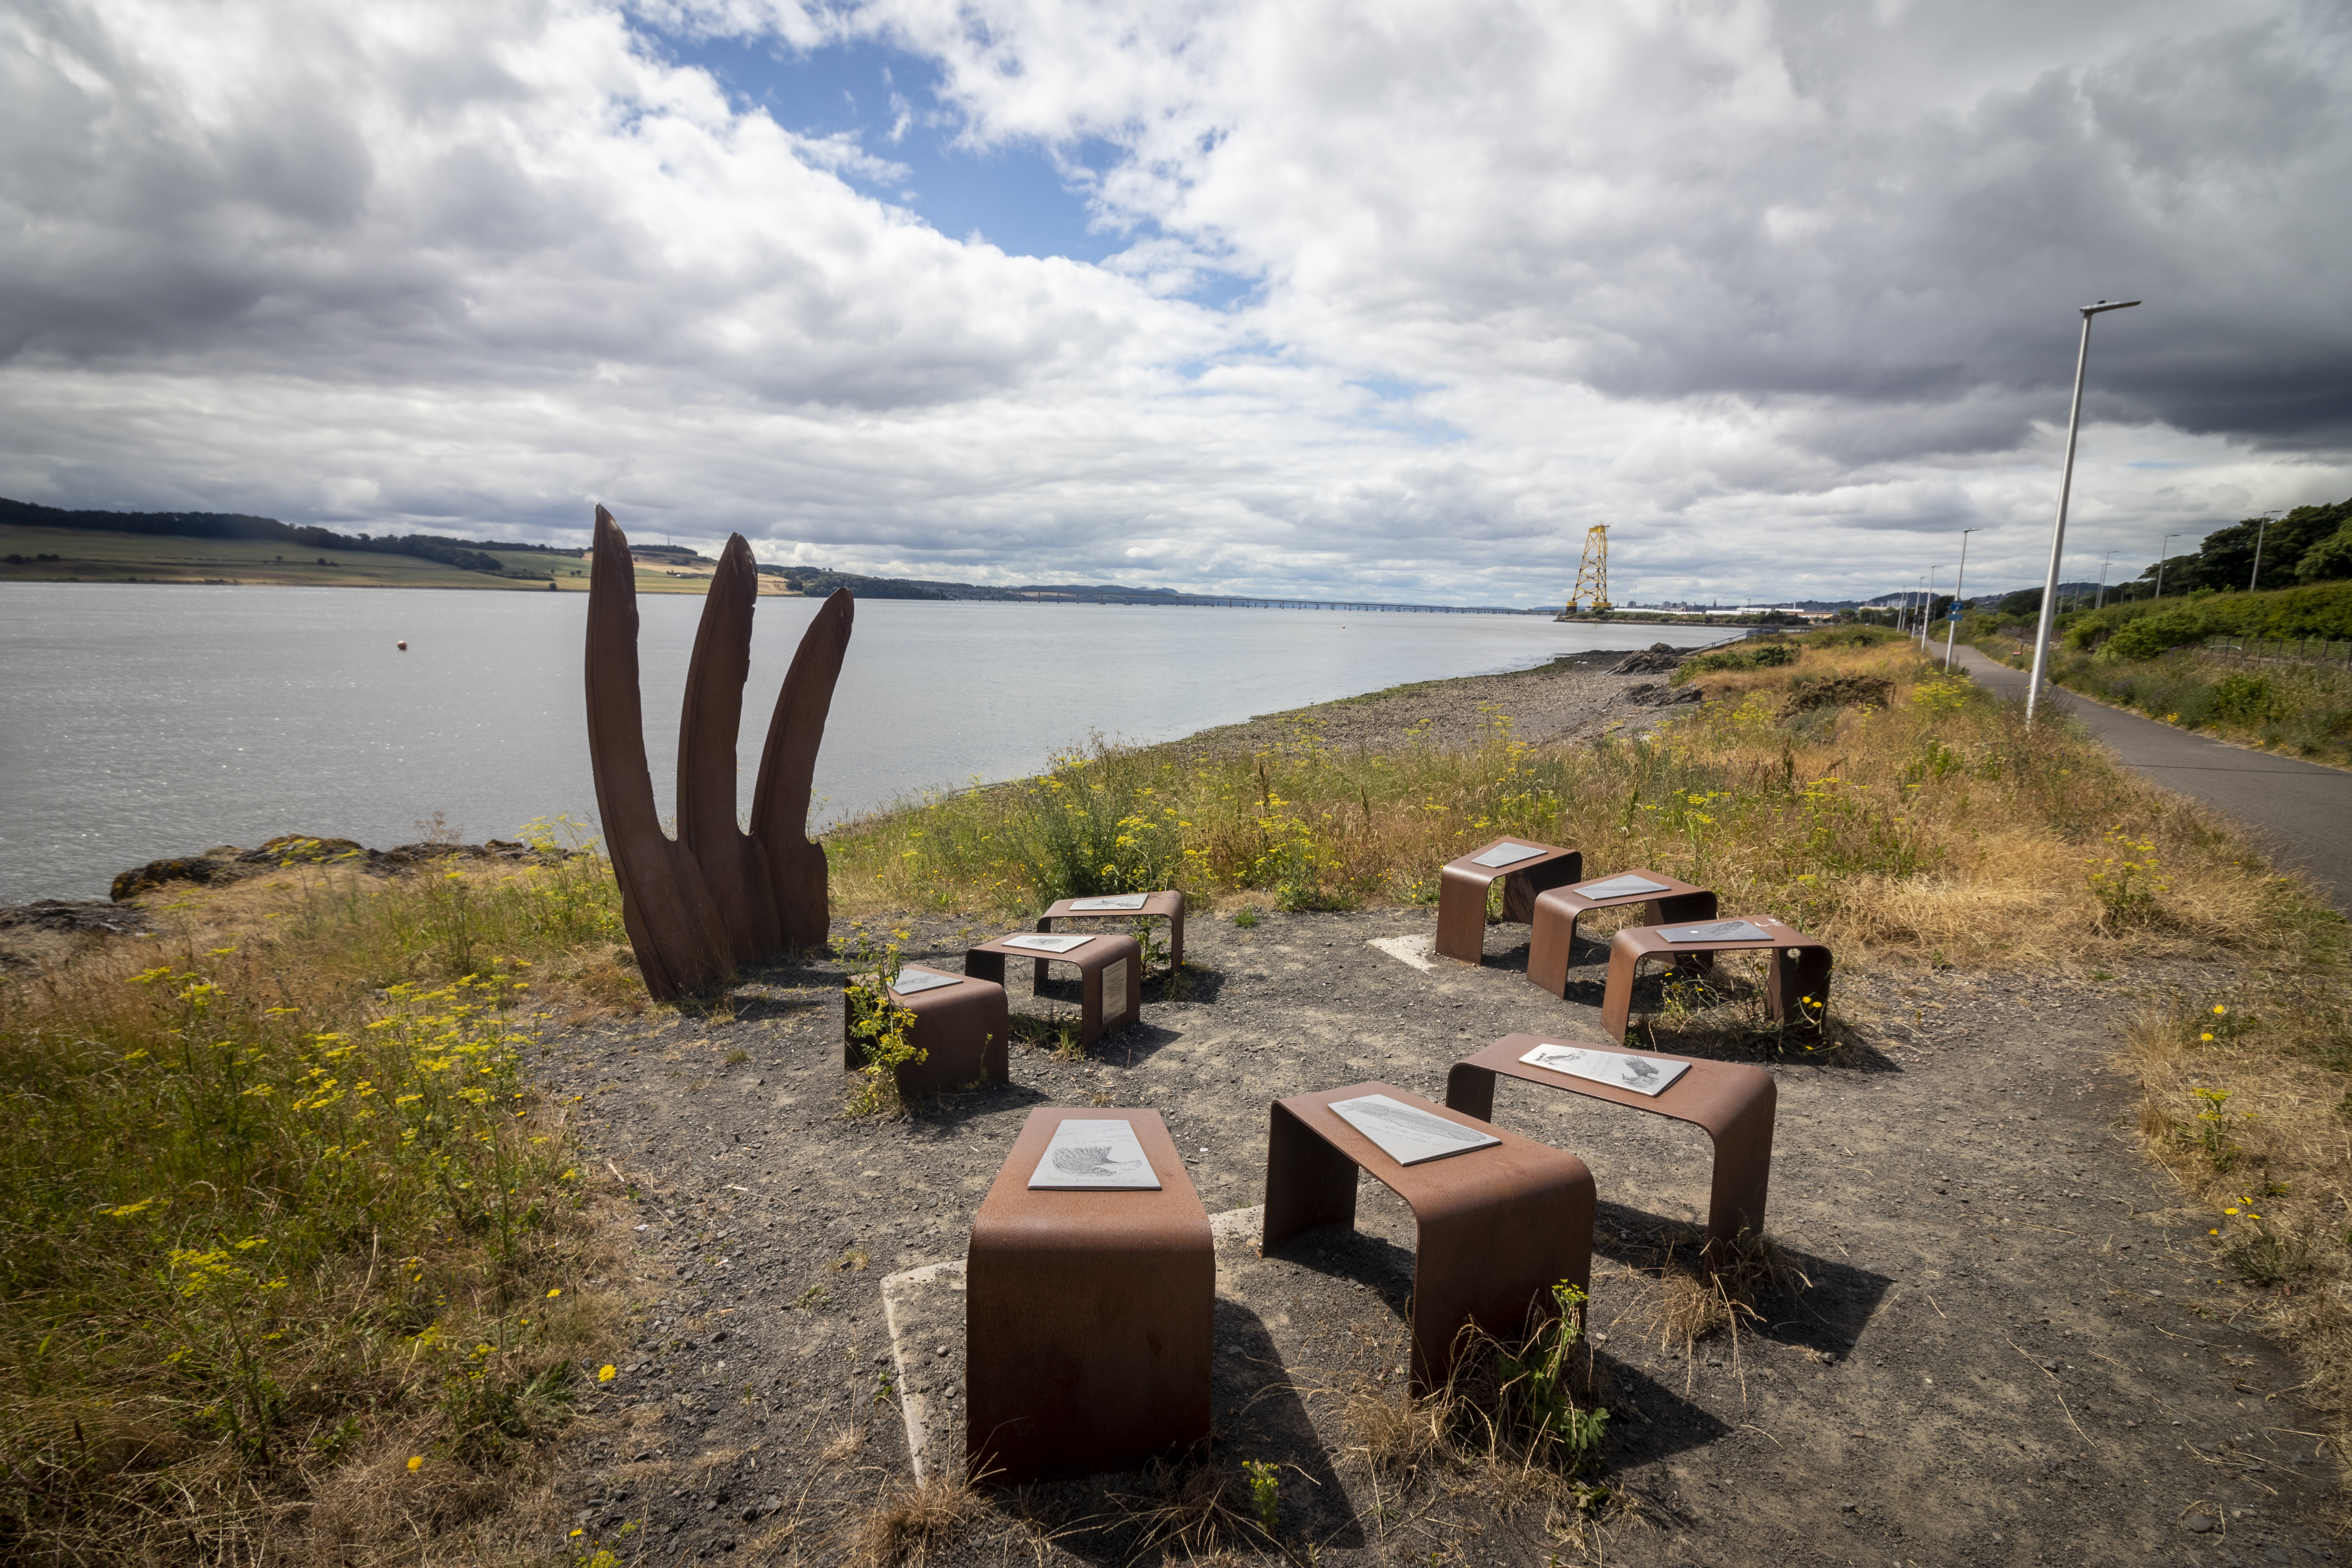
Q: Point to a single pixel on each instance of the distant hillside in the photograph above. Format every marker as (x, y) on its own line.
(466, 554)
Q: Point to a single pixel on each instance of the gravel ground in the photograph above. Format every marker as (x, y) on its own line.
(1995, 1355)
(1572, 698)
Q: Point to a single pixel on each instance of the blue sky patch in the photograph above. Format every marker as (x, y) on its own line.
(1016, 196)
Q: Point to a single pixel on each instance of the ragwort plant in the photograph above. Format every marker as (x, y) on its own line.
(259, 1227)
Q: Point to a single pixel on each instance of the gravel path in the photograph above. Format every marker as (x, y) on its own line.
(1995, 1355)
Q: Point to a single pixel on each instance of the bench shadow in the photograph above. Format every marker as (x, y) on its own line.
(1255, 1413)
(1668, 1422)
(1826, 1306)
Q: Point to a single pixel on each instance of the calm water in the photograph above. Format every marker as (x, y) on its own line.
(139, 720)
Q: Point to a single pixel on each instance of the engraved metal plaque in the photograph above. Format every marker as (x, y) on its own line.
(1095, 1156)
(1047, 941)
(1110, 901)
(1619, 1069)
(1509, 854)
(1620, 887)
(1115, 987)
(911, 981)
(1717, 930)
(1407, 1135)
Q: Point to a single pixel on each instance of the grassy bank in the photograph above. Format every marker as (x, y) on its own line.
(1853, 790)
(2299, 708)
(292, 1269)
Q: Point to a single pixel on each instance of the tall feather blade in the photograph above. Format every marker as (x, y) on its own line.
(712, 713)
(780, 805)
(671, 922)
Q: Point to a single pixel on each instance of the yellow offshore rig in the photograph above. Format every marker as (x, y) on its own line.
(1592, 588)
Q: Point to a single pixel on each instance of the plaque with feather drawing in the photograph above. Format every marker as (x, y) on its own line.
(1619, 1069)
(1095, 1156)
(1406, 1134)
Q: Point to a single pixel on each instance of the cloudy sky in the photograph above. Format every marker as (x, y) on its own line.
(1387, 300)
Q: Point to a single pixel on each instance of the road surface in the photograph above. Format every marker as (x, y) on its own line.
(2305, 809)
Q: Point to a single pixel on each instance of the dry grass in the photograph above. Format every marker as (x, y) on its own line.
(2247, 1101)
(912, 1520)
(1505, 1426)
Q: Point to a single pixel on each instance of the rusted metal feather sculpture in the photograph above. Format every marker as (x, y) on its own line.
(714, 897)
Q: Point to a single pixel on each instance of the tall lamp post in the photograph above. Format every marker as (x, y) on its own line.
(1927, 609)
(1952, 625)
(2161, 556)
(2259, 531)
(2066, 490)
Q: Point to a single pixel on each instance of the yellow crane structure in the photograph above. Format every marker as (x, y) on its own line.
(1592, 588)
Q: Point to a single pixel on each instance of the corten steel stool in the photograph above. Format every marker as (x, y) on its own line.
(961, 1028)
(1799, 968)
(1557, 909)
(1086, 1315)
(1733, 1101)
(1462, 893)
(1168, 905)
(1497, 1227)
(1104, 954)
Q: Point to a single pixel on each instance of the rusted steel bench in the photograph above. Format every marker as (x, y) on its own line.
(961, 1028)
(1733, 1101)
(1086, 1315)
(1462, 886)
(1168, 905)
(1497, 1227)
(1798, 970)
(1553, 934)
(1106, 963)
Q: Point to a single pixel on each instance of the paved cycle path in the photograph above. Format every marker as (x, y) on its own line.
(2305, 809)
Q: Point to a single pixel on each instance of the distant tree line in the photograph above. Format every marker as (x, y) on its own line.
(465, 554)
(2309, 544)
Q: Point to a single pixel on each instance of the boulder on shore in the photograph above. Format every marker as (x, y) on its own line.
(1656, 659)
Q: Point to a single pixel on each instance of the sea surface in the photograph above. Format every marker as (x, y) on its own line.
(139, 720)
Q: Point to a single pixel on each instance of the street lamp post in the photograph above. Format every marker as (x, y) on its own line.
(2259, 530)
(1952, 625)
(2161, 556)
(1927, 609)
(2066, 490)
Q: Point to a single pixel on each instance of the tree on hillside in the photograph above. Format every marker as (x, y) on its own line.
(2328, 561)
(2226, 559)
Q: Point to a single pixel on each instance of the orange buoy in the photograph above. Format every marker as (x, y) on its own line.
(402, 644)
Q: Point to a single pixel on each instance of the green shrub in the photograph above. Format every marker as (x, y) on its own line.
(1759, 654)
(2320, 610)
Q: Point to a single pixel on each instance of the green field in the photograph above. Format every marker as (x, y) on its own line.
(86, 555)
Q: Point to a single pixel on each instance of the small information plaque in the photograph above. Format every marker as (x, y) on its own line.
(1619, 1069)
(1115, 988)
(1620, 887)
(1047, 941)
(1109, 901)
(1408, 1136)
(1095, 1156)
(1717, 930)
(910, 981)
(1509, 854)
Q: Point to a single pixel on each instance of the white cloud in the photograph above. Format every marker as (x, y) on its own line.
(1785, 292)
